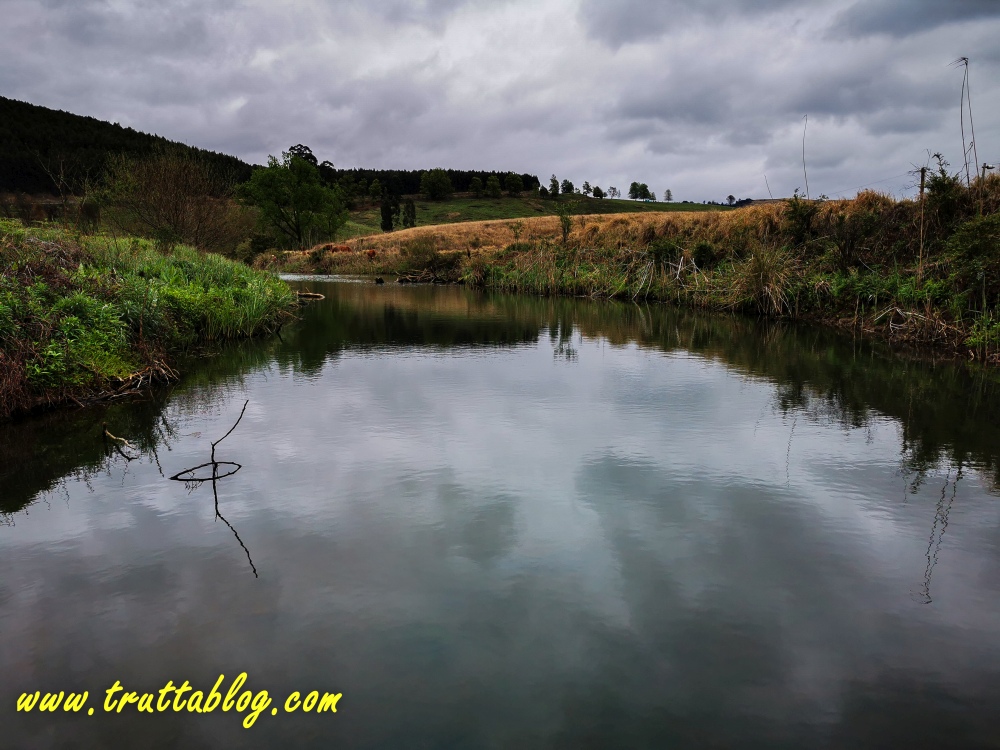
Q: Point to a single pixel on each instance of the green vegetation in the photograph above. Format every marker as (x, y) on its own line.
(81, 316)
(292, 203)
(435, 185)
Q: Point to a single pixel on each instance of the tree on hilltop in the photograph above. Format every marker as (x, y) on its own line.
(305, 153)
(435, 184)
(493, 186)
(514, 184)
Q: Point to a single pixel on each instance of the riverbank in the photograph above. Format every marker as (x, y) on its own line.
(84, 318)
(909, 272)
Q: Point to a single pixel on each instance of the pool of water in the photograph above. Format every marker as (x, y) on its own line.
(498, 521)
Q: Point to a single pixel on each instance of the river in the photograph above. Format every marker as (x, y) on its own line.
(494, 521)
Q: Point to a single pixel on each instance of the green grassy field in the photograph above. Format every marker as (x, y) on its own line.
(366, 219)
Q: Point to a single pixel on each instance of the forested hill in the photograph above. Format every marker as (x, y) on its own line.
(35, 142)
(35, 139)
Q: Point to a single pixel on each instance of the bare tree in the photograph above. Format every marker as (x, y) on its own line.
(175, 198)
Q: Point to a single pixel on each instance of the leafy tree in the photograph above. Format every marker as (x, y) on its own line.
(292, 202)
(598, 193)
(553, 186)
(389, 211)
(586, 188)
(348, 187)
(476, 187)
(639, 191)
(409, 214)
(493, 186)
(668, 196)
(652, 196)
(435, 184)
(543, 191)
(375, 190)
(514, 184)
(731, 199)
(567, 187)
(327, 173)
(304, 152)
(613, 192)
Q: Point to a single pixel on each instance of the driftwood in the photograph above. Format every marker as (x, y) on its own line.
(421, 277)
(310, 295)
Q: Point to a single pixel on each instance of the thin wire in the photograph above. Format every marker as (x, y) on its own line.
(877, 182)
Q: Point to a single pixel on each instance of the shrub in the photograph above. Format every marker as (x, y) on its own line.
(704, 255)
(974, 249)
(798, 219)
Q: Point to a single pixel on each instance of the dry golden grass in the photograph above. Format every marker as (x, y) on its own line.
(737, 232)
(480, 236)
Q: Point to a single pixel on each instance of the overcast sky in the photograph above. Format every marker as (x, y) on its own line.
(702, 97)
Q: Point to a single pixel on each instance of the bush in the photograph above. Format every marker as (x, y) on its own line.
(798, 219)
(663, 252)
(704, 255)
(947, 198)
(974, 250)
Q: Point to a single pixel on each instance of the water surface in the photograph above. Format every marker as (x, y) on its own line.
(496, 521)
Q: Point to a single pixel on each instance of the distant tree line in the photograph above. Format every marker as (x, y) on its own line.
(566, 187)
(357, 182)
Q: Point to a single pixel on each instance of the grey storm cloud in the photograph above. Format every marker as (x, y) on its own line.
(900, 18)
(618, 23)
(701, 97)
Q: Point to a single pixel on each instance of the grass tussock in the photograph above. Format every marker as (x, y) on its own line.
(81, 315)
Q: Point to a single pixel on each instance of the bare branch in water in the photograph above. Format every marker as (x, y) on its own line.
(230, 429)
(192, 480)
